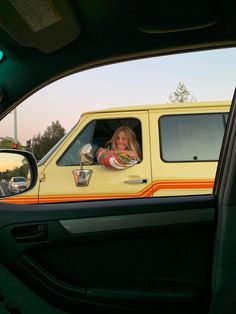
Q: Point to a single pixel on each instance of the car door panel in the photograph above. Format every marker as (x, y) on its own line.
(141, 256)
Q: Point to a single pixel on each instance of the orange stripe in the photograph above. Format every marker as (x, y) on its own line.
(20, 200)
(147, 192)
(176, 185)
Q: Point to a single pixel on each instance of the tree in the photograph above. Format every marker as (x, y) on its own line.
(6, 143)
(181, 94)
(41, 144)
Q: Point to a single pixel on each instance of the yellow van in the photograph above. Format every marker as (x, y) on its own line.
(180, 146)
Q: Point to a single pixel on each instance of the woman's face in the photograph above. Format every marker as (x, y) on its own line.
(121, 141)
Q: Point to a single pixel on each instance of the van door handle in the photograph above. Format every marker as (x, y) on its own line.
(138, 181)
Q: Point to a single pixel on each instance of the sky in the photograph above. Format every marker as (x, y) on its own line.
(209, 76)
(10, 161)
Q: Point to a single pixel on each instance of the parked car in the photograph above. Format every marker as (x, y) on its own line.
(17, 184)
(163, 255)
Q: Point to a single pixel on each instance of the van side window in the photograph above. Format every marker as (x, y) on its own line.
(97, 133)
(71, 156)
(191, 137)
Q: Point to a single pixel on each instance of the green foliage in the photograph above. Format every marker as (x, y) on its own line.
(41, 144)
(5, 143)
(181, 94)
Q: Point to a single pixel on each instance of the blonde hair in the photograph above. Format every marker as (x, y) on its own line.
(133, 144)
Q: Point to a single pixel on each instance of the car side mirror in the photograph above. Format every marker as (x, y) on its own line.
(86, 155)
(18, 171)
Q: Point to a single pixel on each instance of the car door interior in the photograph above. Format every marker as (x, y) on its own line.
(224, 261)
(136, 255)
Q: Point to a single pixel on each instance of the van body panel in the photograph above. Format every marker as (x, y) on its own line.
(161, 171)
(105, 183)
(176, 177)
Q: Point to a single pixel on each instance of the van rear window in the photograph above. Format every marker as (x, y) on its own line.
(191, 137)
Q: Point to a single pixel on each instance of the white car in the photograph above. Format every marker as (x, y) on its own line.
(17, 184)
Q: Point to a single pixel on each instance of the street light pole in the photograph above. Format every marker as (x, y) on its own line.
(15, 126)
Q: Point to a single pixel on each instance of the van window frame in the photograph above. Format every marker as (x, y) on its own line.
(92, 136)
(223, 113)
(72, 143)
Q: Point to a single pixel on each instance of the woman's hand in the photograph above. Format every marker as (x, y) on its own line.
(132, 155)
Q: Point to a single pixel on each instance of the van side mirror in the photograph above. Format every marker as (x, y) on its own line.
(86, 155)
(83, 176)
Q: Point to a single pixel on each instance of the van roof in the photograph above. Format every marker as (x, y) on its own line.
(168, 106)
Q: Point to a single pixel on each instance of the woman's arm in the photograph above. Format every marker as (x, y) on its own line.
(132, 155)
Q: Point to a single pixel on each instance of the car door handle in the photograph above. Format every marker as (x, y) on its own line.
(30, 233)
(137, 181)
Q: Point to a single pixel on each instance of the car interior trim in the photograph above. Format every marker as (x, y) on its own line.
(109, 223)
